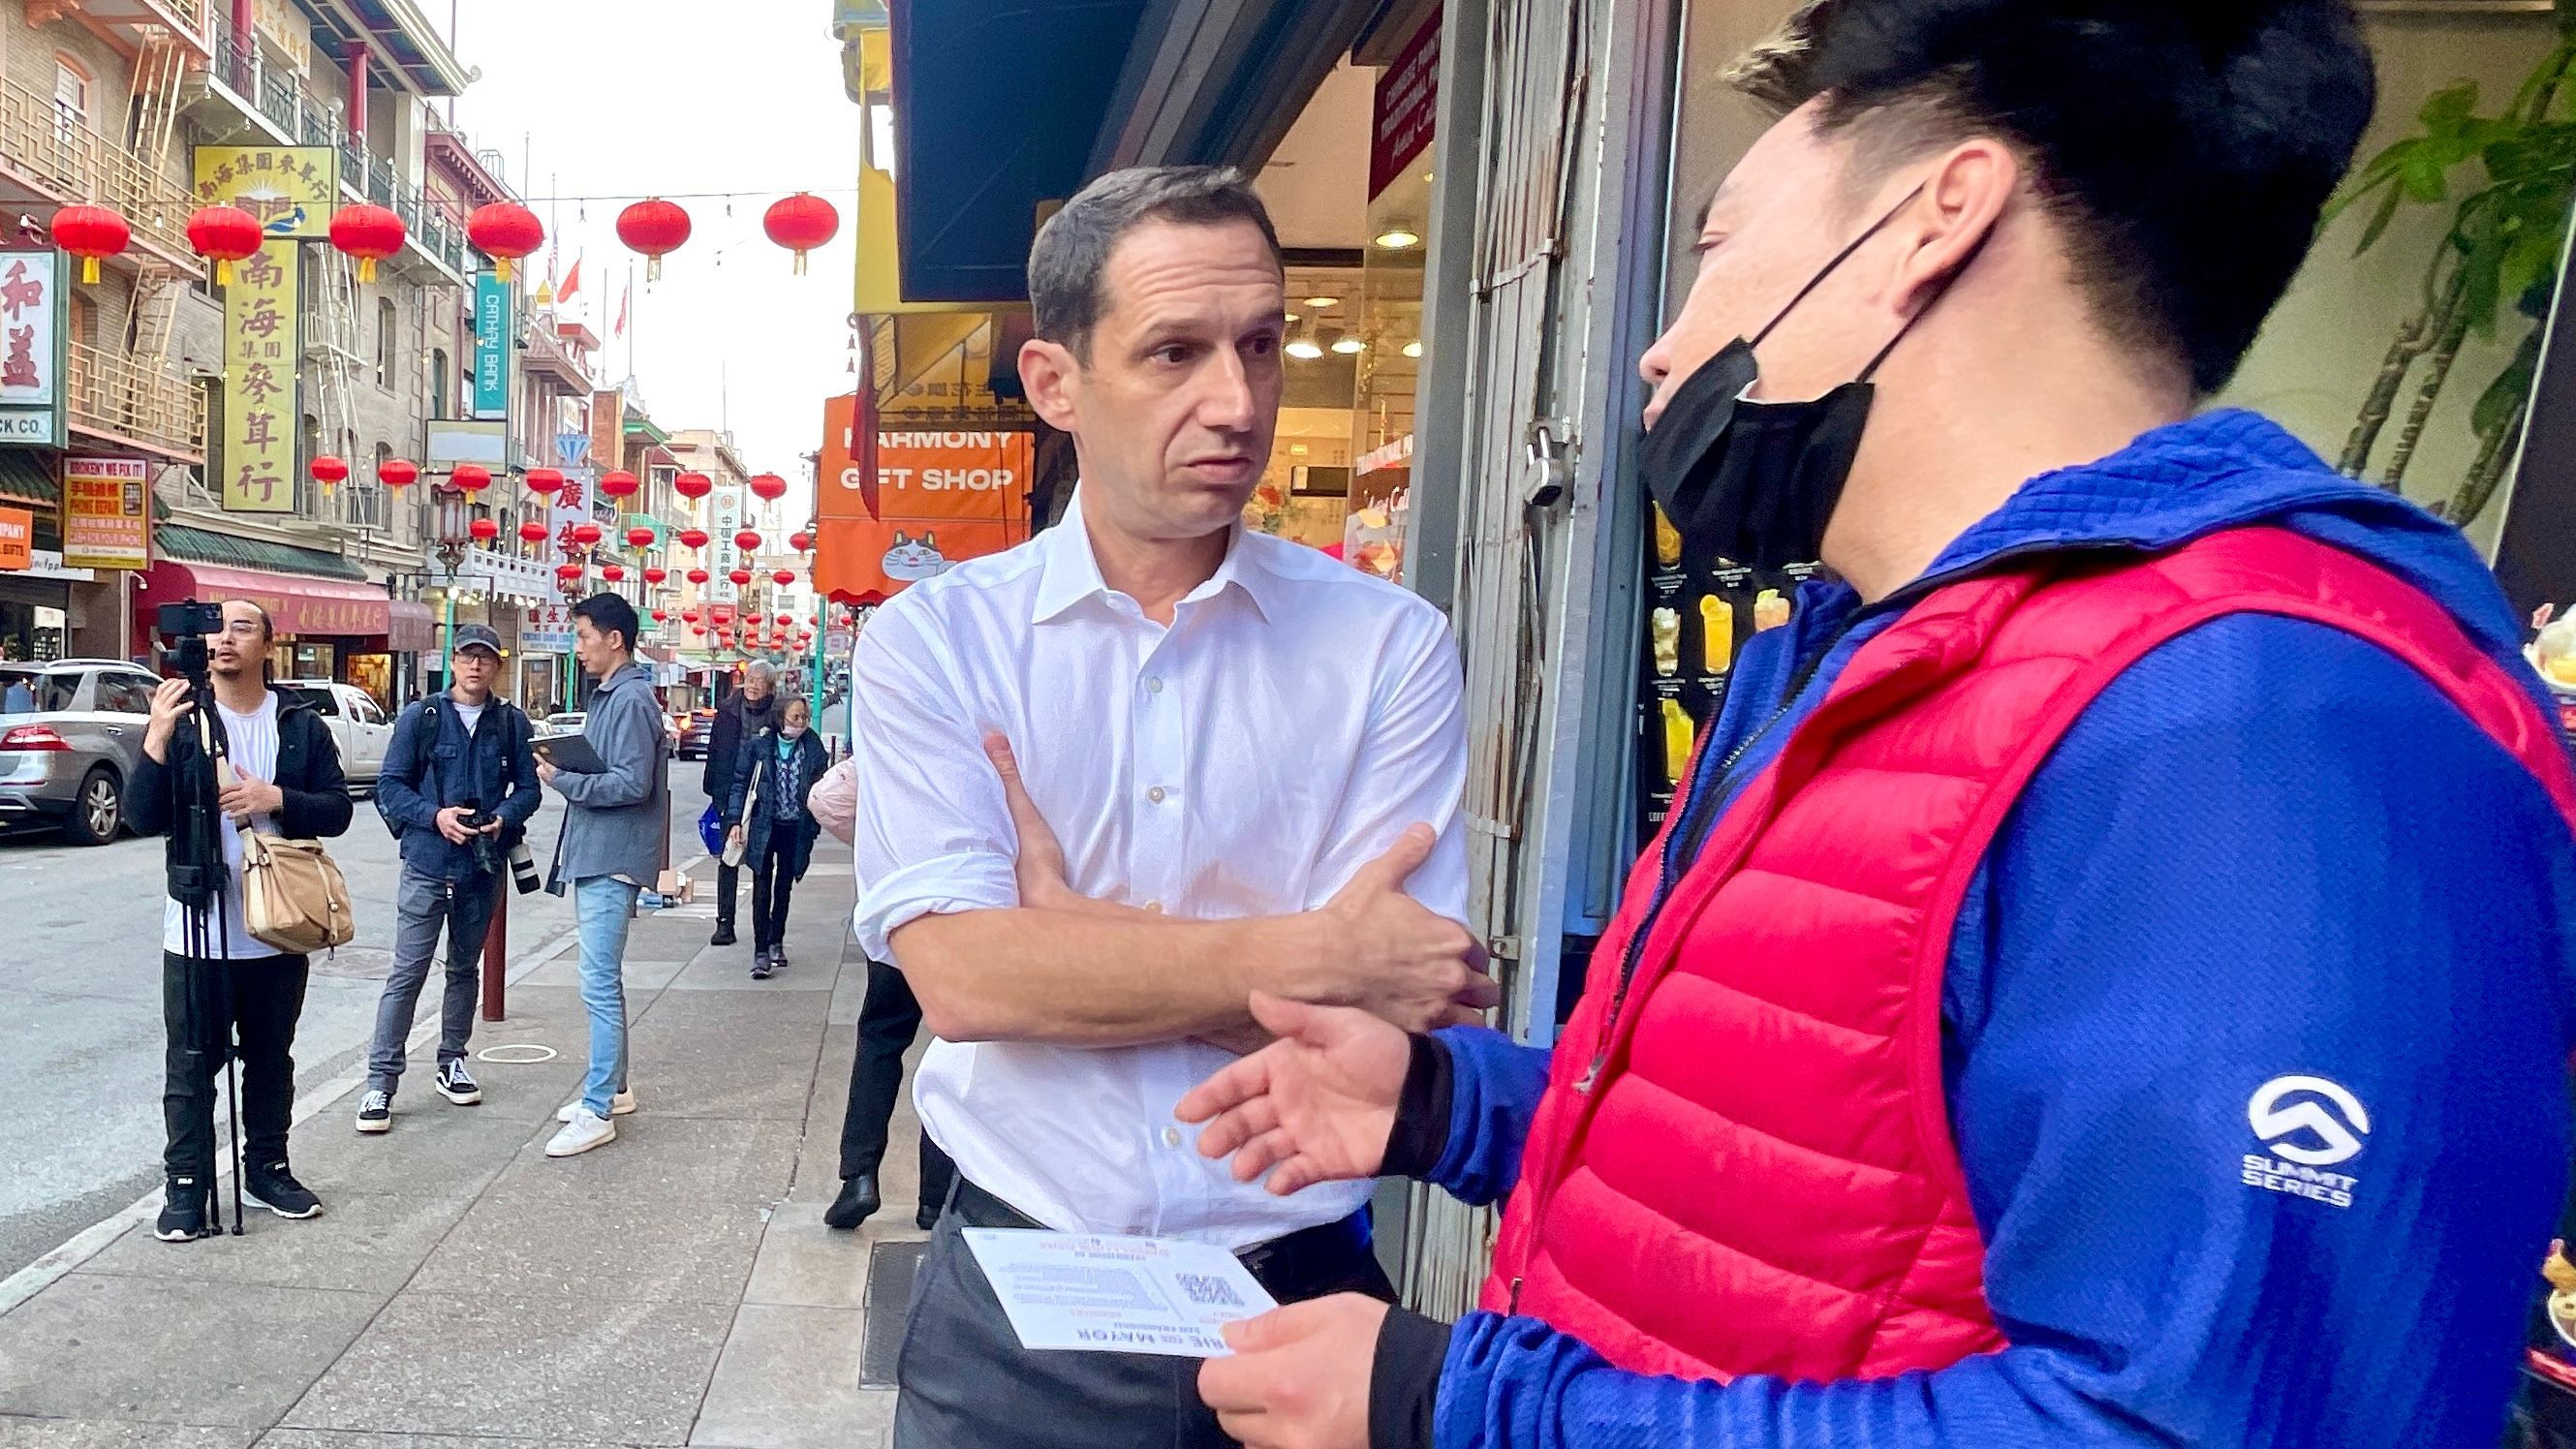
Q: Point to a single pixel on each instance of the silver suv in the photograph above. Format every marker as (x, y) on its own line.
(69, 760)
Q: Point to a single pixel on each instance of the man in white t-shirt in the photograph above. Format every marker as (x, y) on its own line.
(222, 988)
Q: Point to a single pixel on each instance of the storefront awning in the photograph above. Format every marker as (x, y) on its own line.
(29, 478)
(997, 105)
(225, 550)
(305, 607)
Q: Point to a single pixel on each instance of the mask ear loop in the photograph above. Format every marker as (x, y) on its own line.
(1835, 265)
(1921, 312)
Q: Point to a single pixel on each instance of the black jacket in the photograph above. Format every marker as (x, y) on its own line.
(317, 802)
(757, 769)
(433, 763)
(735, 721)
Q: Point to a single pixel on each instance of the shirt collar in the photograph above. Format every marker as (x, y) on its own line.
(1069, 572)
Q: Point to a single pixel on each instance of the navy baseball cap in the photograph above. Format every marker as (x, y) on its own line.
(477, 636)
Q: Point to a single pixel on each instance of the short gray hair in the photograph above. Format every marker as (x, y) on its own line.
(761, 669)
(1073, 248)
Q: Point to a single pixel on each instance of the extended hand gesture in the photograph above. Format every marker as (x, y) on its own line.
(1317, 1105)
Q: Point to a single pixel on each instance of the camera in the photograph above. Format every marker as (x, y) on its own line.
(185, 626)
(489, 856)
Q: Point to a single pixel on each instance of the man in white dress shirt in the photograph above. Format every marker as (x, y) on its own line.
(1251, 756)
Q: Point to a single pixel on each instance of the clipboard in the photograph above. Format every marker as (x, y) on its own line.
(571, 754)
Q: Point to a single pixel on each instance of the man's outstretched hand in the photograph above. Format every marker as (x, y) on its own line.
(1317, 1105)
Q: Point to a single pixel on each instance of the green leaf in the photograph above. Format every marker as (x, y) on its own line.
(2422, 176)
(2483, 268)
(2530, 256)
(2379, 220)
(2502, 401)
(2447, 108)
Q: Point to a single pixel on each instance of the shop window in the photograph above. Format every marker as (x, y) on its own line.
(71, 96)
(386, 327)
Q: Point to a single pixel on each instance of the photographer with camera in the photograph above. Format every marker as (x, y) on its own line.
(225, 752)
(458, 789)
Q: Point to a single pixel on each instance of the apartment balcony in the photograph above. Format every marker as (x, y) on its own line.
(122, 400)
(49, 158)
(242, 100)
(134, 23)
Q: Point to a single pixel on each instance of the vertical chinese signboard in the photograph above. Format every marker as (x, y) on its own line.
(32, 338)
(491, 347)
(106, 518)
(729, 521)
(290, 190)
(262, 322)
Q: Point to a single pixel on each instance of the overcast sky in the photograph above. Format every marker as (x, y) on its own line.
(623, 97)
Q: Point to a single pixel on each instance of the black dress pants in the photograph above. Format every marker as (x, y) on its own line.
(773, 885)
(887, 1023)
(205, 1007)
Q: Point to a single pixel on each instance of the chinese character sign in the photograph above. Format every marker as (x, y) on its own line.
(31, 348)
(729, 521)
(106, 518)
(262, 311)
(290, 190)
(491, 346)
(941, 498)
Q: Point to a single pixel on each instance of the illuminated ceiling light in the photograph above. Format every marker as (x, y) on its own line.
(1413, 348)
(1303, 348)
(1349, 346)
(1320, 303)
(1397, 238)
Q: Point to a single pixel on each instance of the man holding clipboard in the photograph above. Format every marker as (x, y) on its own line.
(611, 778)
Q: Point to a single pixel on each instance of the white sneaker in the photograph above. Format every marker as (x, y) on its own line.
(584, 1132)
(621, 1105)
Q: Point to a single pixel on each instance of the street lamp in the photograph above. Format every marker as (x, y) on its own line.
(455, 536)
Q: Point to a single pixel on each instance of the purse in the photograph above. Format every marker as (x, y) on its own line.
(735, 845)
(293, 895)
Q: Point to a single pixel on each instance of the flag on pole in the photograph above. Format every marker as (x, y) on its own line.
(572, 283)
(623, 303)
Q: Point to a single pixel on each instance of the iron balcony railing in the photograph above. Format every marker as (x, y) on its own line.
(120, 394)
(64, 157)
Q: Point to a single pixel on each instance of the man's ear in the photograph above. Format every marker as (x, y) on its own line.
(1968, 192)
(1050, 374)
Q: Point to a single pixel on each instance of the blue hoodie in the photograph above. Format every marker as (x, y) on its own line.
(2267, 851)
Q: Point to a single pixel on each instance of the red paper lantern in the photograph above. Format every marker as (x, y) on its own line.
(661, 617)
(721, 613)
(768, 486)
(696, 576)
(656, 575)
(698, 629)
(227, 234)
(693, 485)
(328, 471)
(614, 573)
(545, 481)
(620, 484)
(484, 530)
(567, 571)
(504, 231)
(398, 472)
(585, 534)
(368, 232)
(470, 477)
(740, 577)
(748, 540)
(639, 538)
(801, 223)
(784, 620)
(800, 540)
(656, 228)
(533, 531)
(91, 233)
(783, 578)
(693, 537)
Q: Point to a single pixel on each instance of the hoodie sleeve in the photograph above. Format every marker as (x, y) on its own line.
(2256, 1058)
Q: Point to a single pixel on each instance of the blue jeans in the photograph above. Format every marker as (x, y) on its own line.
(605, 905)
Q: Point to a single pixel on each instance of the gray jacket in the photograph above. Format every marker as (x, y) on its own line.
(617, 822)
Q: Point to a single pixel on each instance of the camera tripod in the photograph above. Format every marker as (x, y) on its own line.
(202, 884)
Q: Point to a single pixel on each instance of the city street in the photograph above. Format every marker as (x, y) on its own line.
(80, 1007)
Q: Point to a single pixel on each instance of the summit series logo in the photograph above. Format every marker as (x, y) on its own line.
(2306, 1125)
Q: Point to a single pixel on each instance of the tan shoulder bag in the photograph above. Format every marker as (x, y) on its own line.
(293, 895)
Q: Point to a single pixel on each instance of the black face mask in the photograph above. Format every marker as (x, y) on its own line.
(1751, 481)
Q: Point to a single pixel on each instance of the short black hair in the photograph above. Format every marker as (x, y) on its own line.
(2185, 147)
(610, 614)
(1073, 248)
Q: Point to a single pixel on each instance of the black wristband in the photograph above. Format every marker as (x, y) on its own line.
(1420, 1136)
(1404, 1379)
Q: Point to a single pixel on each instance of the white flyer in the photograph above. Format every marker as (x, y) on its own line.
(1115, 1294)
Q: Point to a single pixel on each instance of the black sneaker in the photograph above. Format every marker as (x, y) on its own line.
(777, 958)
(376, 1111)
(760, 965)
(184, 1211)
(275, 1188)
(457, 1084)
(723, 935)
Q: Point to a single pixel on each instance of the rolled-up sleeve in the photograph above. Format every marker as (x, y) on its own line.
(932, 833)
(1412, 767)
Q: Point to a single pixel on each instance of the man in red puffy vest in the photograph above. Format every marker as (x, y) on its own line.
(2106, 981)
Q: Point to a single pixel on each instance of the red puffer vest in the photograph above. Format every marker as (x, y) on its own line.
(1743, 1161)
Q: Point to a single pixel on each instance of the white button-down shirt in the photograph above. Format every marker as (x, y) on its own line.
(1292, 721)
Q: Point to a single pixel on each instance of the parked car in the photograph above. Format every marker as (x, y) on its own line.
(695, 732)
(564, 722)
(68, 762)
(360, 727)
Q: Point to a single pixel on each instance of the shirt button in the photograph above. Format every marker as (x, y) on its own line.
(1154, 684)
(1156, 794)
(1171, 1137)
(1154, 908)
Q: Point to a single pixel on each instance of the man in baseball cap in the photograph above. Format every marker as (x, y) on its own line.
(459, 785)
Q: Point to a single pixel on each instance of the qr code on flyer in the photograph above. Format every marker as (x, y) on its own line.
(1208, 1291)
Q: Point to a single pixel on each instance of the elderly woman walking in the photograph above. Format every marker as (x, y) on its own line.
(765, 813)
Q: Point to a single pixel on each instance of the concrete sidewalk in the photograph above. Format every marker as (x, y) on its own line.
(462, 1289)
